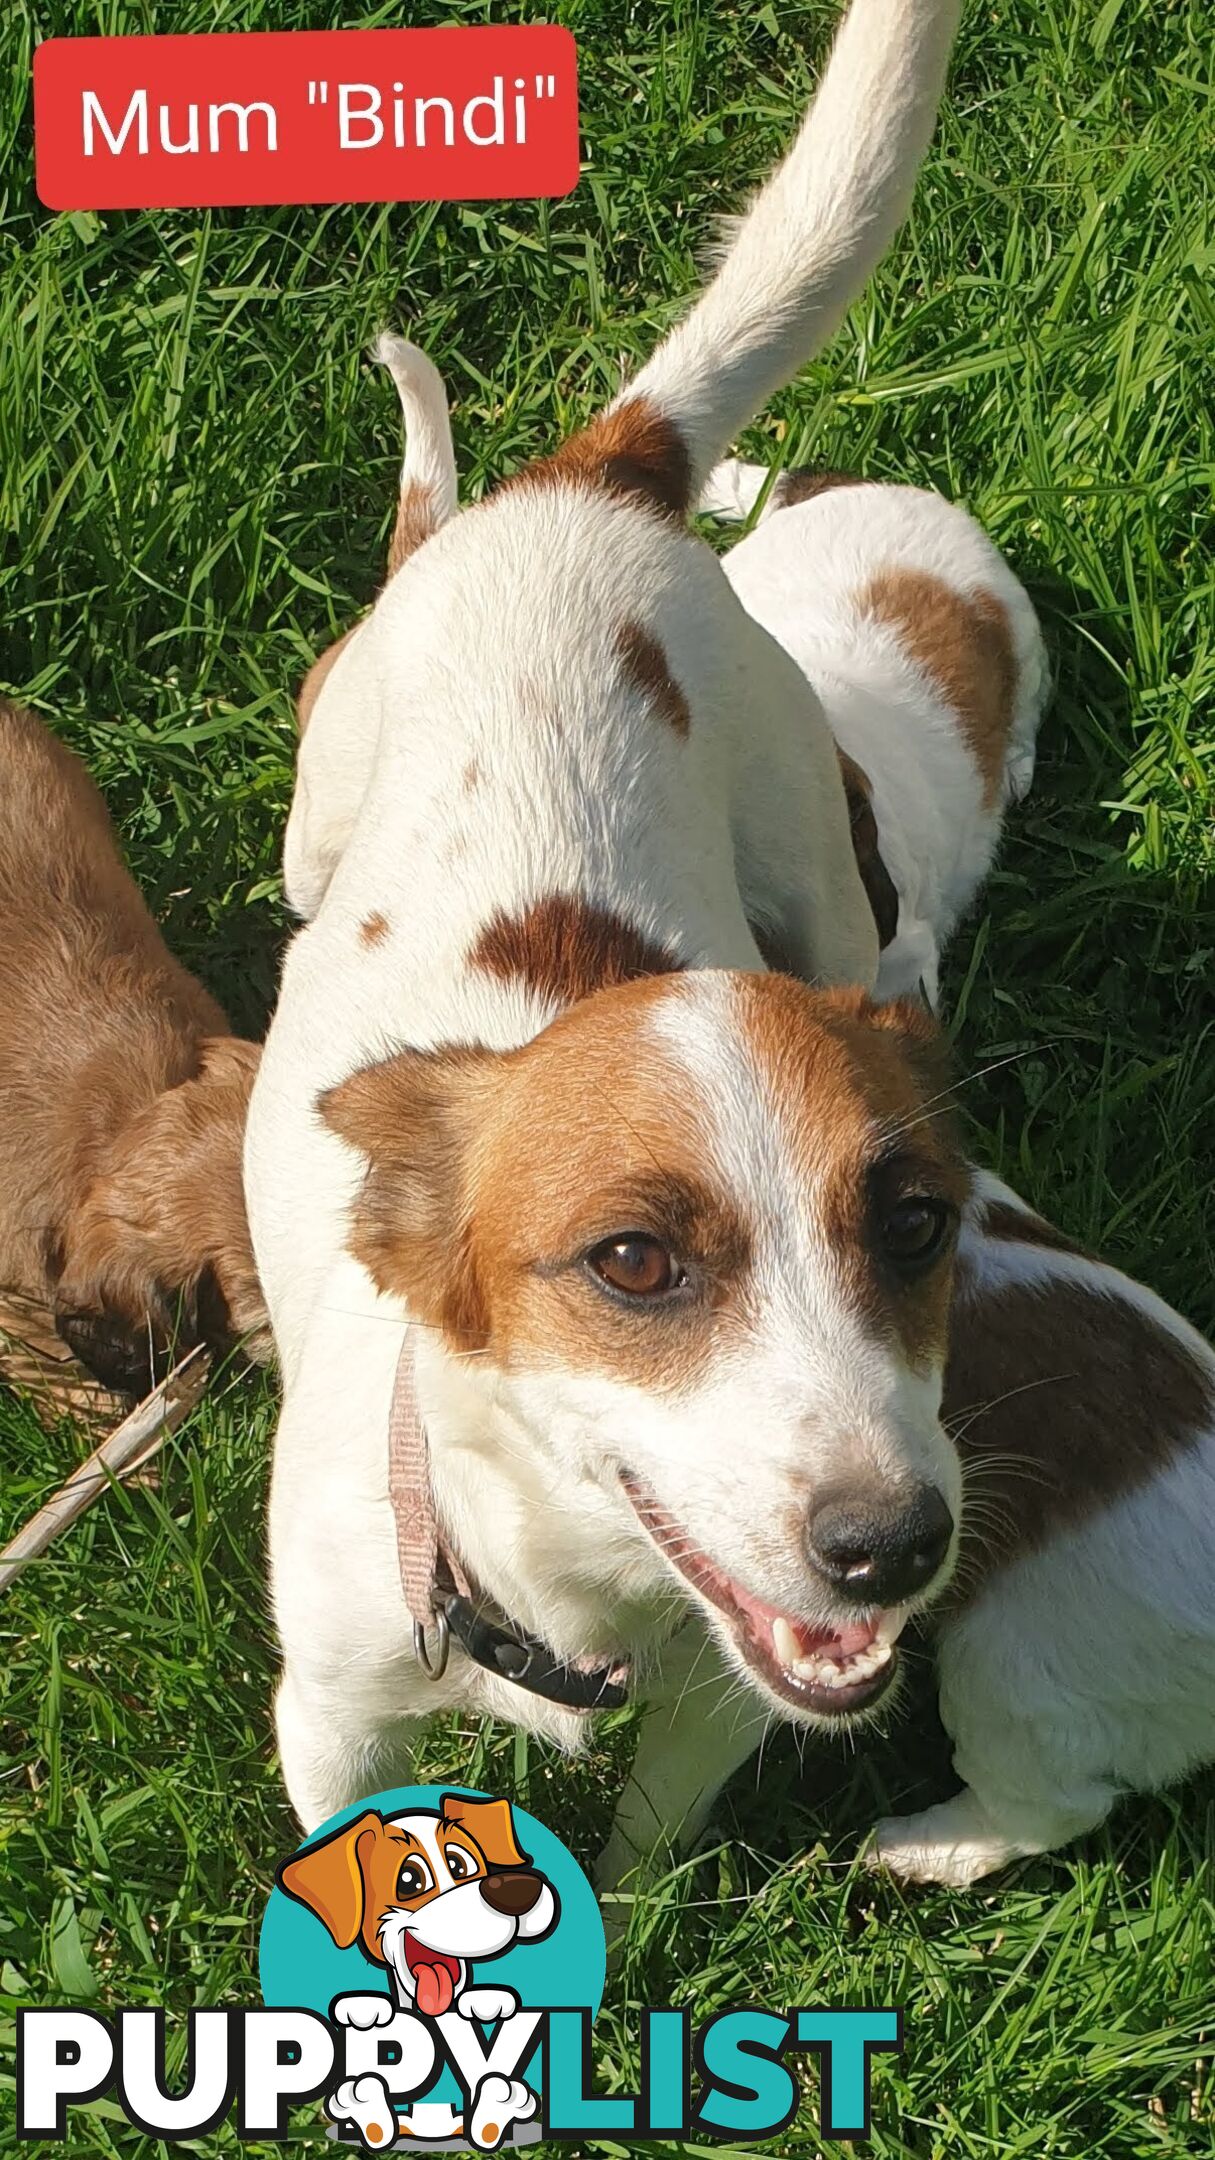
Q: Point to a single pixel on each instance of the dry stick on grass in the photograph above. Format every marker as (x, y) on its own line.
(126, 1449)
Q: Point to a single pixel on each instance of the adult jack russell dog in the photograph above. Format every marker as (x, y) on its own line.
(529, 1109)
(629, 1209)
(428, 1894)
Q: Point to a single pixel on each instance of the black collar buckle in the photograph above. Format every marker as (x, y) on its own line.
(510, 1654)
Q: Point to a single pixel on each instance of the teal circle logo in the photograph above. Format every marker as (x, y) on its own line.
(433, 1926)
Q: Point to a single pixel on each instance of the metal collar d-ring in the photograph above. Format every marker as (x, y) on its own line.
(434, 1668)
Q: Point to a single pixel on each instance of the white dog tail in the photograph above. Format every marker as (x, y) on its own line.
(428, 475)
(813, 235)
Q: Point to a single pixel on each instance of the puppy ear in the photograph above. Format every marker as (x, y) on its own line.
(229, 1060)
(491, 1826)
(329, 1879)
(416, 1117)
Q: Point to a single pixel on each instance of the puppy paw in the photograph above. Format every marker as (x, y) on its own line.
(364, 2102)
(500, 2103)
(950, 1844)
(488, 2004)
(363, 2011)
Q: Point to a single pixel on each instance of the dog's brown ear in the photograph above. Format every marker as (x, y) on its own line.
(229, 1060)
(415, 1117)
(328, 1878)
(491, 1826)
(924, 1040)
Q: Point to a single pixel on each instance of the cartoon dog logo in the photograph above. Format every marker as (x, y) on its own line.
(426, 1895)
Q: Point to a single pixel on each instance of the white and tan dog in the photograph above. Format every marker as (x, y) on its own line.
(426, 1894)
(1076, 1645)
(681, 1212)
(925, 653)
(772, 1314)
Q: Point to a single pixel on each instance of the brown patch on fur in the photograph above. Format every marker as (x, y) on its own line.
(1060, 1399)
(310, 688)
(880, 889)
(963, 643)
(647, 668)
(122, 1098)
(801, 483)
(373, 929)
(634, 452)
(564, 948)
(470, 778)
(417, 518)
(853, 1079)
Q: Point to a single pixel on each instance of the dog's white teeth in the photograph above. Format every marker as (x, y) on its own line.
(826, 1672)
(891, 1624)
(821, 1671)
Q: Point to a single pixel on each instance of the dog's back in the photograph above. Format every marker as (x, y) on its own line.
(100, 1028)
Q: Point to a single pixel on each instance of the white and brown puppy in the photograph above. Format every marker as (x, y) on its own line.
(122, 1092)
(925, 653)
(427, 1894)
(1077, 1643)
(665, 1257)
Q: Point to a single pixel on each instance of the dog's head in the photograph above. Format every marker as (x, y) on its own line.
(700, 1232)
(157, 1255)
(426, 1893)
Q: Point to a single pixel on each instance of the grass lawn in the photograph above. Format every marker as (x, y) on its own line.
(197, 475)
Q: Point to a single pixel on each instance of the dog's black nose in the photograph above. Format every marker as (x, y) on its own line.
(876, 1552)
(514, 1893)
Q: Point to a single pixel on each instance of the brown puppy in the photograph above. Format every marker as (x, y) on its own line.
(122, 1092)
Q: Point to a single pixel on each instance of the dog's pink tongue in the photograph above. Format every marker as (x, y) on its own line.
(435, 1990)
(838, 1643)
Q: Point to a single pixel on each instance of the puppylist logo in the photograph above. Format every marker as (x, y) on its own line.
(432, 1962)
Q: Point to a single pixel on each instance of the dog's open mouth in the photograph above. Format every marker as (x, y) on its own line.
(820, 1670)
(434, 1976)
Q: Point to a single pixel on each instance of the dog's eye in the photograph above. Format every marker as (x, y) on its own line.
(414, 1878)
(637, 1266)
(460, 1863)
(915, 1229)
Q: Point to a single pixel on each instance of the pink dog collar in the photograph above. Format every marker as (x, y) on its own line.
(437, 1590)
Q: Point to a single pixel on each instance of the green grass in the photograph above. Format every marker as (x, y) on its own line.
(197, 466)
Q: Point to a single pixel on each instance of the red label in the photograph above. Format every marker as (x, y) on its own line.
(305, 116)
